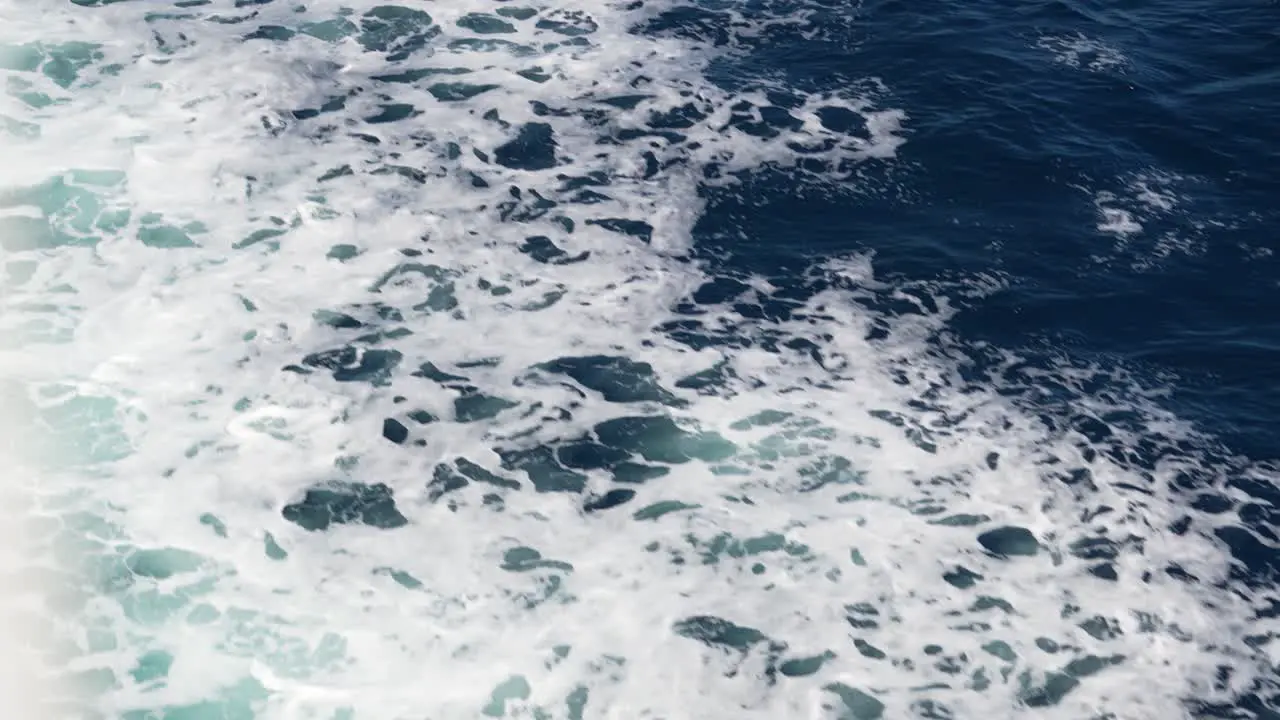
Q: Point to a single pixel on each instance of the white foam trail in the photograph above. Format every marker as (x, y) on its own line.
(24, 639)
(25, 623)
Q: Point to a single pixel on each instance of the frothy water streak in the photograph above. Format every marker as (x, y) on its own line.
(381, 386)
(29, 666)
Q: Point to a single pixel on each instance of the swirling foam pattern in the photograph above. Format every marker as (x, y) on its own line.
(377, 381)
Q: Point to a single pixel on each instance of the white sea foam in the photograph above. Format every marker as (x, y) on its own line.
(192, 226)
(26, 678)
(1085, 53)
(1149, 218)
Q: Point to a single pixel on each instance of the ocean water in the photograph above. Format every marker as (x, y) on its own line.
(660, 359)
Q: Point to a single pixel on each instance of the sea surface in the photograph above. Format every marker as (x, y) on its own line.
(645, 359)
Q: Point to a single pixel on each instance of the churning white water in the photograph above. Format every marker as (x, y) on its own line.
(358, 388)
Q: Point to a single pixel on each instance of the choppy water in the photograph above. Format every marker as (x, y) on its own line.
(707, 359)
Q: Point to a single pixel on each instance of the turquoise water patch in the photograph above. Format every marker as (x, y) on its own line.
(89, 429)
(62, 63)
(485, 24)
(322, 508)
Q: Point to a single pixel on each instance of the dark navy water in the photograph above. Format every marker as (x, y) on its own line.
(1008, 145)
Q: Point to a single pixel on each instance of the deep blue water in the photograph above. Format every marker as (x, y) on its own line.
(1002, 139)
